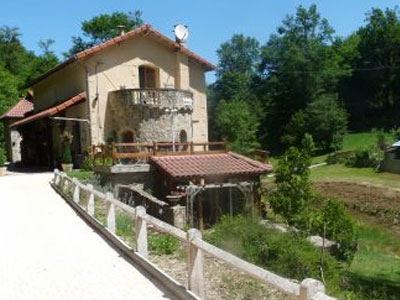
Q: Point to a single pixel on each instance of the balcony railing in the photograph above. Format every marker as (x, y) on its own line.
(127, 153)
(163, 98)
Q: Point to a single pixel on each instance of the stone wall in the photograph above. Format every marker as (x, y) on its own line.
(148, 124)
(135, 196)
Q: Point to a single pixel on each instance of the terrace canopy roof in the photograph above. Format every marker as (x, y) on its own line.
(227, 165)
(52, 110)
(18, 110)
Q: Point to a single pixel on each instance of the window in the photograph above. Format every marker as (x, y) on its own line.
(147, 77)
(128, 137)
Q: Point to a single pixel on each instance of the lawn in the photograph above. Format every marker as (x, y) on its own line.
(377, 262)
(343, 173)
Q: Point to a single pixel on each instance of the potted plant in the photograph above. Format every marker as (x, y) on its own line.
(2, 162)
(66, 159)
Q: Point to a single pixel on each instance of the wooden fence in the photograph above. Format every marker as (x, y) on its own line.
(111, 154)
(308, 289)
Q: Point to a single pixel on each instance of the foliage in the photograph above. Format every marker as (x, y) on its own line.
(288, 254)
(103, 27)
(236, 124)
(366, 158)
(300, 64)
(2, 157)
(163, 244)
(324, 119)
(124, 224)
(293, 189)
(82, 175)
(339, 157)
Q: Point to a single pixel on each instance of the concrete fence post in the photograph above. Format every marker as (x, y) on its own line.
(195, 264)
(110, 214)
(56, 176)
(90, 205)
(141, 231)
(309, 287)
(77, 190)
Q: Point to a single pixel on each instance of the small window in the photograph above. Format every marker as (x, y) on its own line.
(128, 137)
(183, 136)
(147, 77)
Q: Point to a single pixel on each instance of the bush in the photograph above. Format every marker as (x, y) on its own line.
(339, 157)
(293, 186)
(163, 244)
(2, 157)
(67, 155)
(366, 158)
(288, 254)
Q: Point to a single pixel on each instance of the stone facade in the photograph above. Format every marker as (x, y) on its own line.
(148, 123)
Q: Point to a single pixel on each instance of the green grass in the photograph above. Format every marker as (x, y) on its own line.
(362, 140)
(81, 175)
(377, 262)
(343, 173)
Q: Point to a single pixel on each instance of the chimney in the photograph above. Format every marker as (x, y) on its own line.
(121, 29)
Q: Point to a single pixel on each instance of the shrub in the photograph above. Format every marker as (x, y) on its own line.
(288, 254)
(2, 157)
(293, 186)
(339, 157)
(67, 155)
(163, 244)
(366, 158)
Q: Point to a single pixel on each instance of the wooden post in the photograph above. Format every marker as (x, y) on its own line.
(309, 287)
(113, 152)
(93, 153)
(76, 190)
(103, 154)
(90, 205)
(141, 231)
(191, 147)
(195, 264)
(111, 214)
(155, 148)
(200, 214)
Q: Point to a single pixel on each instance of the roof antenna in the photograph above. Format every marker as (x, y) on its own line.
(121, 29)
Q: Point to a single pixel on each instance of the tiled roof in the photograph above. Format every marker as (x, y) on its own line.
(18, 110)
(52, 110)
(209, 165)
(142, 30)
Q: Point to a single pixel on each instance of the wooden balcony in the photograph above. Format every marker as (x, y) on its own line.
(160, 98)
(127, 153)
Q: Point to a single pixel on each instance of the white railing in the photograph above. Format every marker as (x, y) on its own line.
(308, 289)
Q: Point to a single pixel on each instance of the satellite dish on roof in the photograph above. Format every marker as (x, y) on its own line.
(181, 33)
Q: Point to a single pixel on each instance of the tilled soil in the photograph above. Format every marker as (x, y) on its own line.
(383, 203)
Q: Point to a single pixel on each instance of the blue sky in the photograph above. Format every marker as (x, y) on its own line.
(210, 22)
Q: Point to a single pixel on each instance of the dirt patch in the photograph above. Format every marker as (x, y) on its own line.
(221, 281)
(381, 202)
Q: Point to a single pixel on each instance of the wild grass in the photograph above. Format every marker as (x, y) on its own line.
(342, 173)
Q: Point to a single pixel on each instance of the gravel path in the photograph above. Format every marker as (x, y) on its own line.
(48, 252)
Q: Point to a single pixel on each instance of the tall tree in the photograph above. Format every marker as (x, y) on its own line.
(103, 27)
(373, 90)
(298, 64)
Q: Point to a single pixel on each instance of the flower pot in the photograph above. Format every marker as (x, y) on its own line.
(67, 167)
(3, 171)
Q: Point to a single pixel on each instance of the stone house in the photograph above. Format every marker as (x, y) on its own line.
(138, 87)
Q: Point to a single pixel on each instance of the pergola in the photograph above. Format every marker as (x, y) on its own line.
(194, 174)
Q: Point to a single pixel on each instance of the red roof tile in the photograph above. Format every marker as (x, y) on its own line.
(209, 165)
(52, 110)
(18, 110)
(145, 29)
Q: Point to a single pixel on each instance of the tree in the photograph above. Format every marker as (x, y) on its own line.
(324, 119)
(235, 123)
(293, 189)
(298, 64)
(102, 28)
(373, 90)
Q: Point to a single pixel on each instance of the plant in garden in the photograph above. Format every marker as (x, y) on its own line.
(293, 191)
(66, 139)
(163, 244)
(2, 157)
